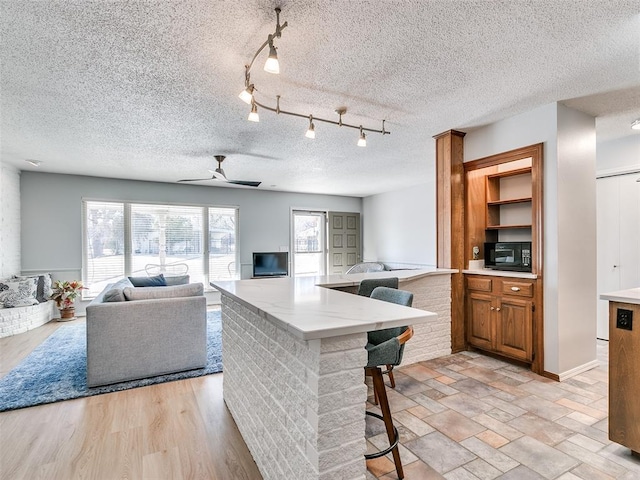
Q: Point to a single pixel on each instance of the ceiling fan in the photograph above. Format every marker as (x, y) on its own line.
(218, 174)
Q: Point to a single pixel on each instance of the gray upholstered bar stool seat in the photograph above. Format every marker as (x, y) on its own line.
(385, 347)
(365, 288)
(368, 285)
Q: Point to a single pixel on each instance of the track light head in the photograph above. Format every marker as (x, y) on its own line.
(247, 94)
(253, 116)
(272, 65)
(362, 141)
(311, 131)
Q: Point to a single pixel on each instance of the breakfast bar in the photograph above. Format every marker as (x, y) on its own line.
(293, 352)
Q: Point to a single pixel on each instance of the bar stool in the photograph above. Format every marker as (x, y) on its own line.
(365, 288)
(385, 347)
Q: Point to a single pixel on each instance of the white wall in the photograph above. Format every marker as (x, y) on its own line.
(400, 227)
(9, 221)
(52, 214)
(620, 153)
(568, 216)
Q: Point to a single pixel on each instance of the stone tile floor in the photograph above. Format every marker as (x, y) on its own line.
(468, 416)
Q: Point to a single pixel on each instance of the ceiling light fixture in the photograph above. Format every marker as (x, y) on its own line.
(35, 163)
(311, 131)
(636, 124)
(272, 66)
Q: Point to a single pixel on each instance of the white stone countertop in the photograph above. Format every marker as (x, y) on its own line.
(303, 307)
(501, 273)
(631, 295)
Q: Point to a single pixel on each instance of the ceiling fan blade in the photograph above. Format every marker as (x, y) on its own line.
(195, 179)
(246, 184)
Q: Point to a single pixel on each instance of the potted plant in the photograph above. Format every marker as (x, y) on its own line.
(64, 294)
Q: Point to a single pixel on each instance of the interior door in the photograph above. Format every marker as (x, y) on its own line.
(308, 238)
(618, 207)
(344, 241)
(608, 233)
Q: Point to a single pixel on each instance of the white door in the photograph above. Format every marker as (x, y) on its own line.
(344, 241)
(618, 227)
(308, 239)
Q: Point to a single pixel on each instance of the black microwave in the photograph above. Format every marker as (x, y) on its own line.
(513, 256)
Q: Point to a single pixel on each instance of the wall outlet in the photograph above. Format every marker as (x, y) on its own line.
(624, 319)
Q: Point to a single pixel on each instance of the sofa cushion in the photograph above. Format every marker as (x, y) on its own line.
(114, 295)
(44, 289)
(177, 280)
(175, 291)
(19, 293)
(157, 281)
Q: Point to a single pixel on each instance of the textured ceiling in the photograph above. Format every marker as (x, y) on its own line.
(148, 90)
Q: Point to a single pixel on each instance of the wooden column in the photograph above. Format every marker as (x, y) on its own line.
(450, 223)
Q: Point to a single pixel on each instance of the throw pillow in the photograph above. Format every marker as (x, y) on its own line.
(177, 280)
(176, 291)
(19, 293)
(44, 288)
(157, 281)
(114, 295)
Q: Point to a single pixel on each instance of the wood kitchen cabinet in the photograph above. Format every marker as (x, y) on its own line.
(500, 315)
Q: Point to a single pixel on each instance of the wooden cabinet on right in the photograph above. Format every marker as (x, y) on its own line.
(500, 315)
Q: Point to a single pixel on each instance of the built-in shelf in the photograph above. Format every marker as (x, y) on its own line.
(506, 227)
(508, 202)
(510, 173)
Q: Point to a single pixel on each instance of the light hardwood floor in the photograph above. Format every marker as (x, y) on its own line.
(173, 430)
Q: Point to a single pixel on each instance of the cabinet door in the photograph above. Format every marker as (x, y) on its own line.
(514, 334)
(480, 328)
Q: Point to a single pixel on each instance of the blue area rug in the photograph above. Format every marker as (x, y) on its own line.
(57, 369)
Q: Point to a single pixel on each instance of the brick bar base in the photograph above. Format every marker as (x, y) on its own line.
(299, 405)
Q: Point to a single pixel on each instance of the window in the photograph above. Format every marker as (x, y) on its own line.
(131, 239)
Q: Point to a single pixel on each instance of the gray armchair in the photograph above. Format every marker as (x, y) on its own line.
(365, 267)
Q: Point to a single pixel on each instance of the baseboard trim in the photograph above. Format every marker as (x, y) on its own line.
(574, 371)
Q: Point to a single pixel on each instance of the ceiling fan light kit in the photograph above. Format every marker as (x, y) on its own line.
(273, 66)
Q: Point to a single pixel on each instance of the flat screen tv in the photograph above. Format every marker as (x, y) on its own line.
(270, 264)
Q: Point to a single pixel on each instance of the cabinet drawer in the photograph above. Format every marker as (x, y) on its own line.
(523, 289)
(479, 284)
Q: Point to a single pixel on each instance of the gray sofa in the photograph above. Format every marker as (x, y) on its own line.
(141, 332)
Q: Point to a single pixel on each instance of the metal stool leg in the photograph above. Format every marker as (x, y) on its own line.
(392, 432)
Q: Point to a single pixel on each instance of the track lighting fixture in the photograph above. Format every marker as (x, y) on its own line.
(272, 66)
(311, 131)
(636, 124)
(362, 141)
(253, 116)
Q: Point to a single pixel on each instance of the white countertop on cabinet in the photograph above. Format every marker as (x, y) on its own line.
(631, 295)
(302, 306)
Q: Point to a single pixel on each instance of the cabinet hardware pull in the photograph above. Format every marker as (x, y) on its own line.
(498, 309)
(515, 289)
(493, 308)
